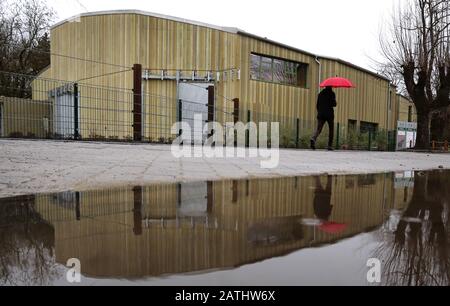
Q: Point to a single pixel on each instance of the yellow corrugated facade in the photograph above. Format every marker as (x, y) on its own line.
(160, 43)
(230, 234)
(25, 118)
(407, 110)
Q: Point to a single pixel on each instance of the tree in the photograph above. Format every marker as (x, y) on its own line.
(416, 47)
(24, 41)
(416, 253)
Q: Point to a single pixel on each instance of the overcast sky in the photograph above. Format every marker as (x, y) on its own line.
(347, 29)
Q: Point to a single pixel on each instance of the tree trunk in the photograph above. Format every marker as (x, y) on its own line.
(423, 130)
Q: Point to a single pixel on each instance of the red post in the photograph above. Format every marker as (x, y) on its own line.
(137, 102)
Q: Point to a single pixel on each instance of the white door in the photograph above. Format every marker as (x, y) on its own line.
(64, 115)
(63, 111)
(194, 97)
(193, 199)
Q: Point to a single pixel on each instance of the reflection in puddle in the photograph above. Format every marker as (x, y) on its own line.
(159, 230)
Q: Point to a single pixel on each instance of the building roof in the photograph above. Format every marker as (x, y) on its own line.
(232, 30)
(150, 14)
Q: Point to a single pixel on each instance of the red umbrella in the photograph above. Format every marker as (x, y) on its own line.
(333, 228)
(337, 83)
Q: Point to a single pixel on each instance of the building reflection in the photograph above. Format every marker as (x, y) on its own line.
(192, 227)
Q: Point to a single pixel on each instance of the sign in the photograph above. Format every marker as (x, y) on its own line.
(404, 180)
(407, 126)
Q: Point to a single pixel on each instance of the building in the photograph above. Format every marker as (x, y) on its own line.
(181, 58)
(167, 229)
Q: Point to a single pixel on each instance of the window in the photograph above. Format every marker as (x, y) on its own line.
(266, 69)
(275, 70)
(255, 64)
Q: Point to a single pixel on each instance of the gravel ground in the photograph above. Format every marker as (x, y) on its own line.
(28, 167)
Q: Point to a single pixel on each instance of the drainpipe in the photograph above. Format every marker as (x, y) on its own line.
(320, 73)
(388, 111)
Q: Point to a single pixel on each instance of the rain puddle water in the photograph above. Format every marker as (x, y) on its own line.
(322, 230)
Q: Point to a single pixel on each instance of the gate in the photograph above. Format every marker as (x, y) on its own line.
(194, 99)
(193, 199)
(64, 112)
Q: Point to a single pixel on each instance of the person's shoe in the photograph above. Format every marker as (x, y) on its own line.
(313, 144)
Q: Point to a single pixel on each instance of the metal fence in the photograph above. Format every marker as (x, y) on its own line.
(33, 107)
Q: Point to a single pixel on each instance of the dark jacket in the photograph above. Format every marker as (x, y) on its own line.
(326, 104)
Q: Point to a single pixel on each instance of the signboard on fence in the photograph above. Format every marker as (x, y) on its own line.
(406, 135)
(407, 126)
(404, 180)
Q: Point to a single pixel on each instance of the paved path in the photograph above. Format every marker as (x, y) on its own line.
(50, 166)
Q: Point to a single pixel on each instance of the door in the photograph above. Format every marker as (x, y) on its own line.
(64, 113)
(194, 100)
(193, 199)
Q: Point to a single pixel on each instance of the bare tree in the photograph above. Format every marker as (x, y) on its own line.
(417, 252)
(24, 40)
(416, 47)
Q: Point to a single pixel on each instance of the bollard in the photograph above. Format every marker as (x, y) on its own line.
(297, 138)
(370, 141)
(446, 145)
(433, 145)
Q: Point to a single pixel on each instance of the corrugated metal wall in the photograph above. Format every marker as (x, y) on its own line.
(404, 105)
(25, 118)
(156, 43)
(106, 242)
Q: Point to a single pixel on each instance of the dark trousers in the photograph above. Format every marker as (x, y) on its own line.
(320, 125)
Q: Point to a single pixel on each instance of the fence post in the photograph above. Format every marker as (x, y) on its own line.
(236, 110)
(249, 118)
(338, 133)
(297, 138)
(137, 210)
(137, 102)
(370, 140)
(76, 128)
(77, 207)
(446, 145)
(180, 115)
(211, 108)
(433, 145)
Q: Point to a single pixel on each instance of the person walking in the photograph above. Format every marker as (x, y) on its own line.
(326, 103)
(322, 199)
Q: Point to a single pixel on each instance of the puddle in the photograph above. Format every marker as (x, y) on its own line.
(286, 231)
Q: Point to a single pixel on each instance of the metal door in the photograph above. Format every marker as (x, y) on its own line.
(194, 100)
(193, 199)
(64, 112)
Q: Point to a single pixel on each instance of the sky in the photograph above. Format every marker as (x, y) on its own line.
(346, 29)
